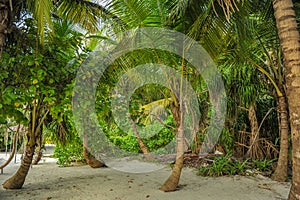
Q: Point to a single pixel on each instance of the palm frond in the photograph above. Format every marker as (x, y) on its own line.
(229, 7)
(87, 14)
(42, 11)
(136, 13)
(155, 110)
(153, 106)
(78, 12)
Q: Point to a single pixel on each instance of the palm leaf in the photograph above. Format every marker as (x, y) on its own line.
(42, 11)
(155, 109)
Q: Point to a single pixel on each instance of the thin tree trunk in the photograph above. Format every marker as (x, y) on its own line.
(18, 179)
(37, 156)
(289, 40)
(254, 150)
(4, 20)
(39, 146)
(143, 147)
(172, 182)
(14, 149)
(280, 173)
(90, 159)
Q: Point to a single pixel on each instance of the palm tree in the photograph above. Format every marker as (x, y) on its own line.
(245, 33)
(290, 45)
(11, 11)
(149, 13)
(221, 21)
(262, 51)
(289, 41)
(82, 12)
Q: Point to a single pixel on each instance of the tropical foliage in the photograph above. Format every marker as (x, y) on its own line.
(43, 43)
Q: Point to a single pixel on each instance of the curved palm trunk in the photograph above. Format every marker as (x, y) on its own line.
(18, 179)
(289, 41)
(172, 182)
(4, 20)
(90, 159)
(280, 173)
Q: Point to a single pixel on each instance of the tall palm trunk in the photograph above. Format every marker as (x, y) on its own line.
(289, 41)
(4, 22)
(280, 173)
(172, 182)
(18, 179)
(89, 158)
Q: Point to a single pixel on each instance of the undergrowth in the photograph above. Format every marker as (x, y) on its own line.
(227, 165)
(68, 153)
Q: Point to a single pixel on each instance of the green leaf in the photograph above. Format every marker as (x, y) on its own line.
(30, 63)
(40, 74)
(3, 120)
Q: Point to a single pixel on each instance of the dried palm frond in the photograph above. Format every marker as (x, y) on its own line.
(229, 7)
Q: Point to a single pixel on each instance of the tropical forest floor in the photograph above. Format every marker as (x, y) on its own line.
(49, 181)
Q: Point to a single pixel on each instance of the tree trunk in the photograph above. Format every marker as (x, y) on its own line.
(37, 156)
(280, 173)
(14, 149)
(289, 41)
(89, 158)
(4, 22)
(142, 145)
(254, 151)
(39, 146)
(18, 179)
(172, 182)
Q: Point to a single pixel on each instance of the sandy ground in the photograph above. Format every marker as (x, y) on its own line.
(49, 181)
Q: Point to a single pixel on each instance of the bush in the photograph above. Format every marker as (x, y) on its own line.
(128, 142)
(226, 165)
(70, 152)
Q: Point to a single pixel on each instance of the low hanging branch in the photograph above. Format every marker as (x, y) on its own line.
(162, 122)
